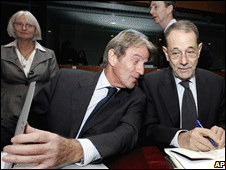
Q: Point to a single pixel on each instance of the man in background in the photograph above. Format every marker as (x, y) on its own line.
(163, 13)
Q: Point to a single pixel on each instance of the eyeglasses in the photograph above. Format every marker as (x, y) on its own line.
(28, 26)
(177, 54)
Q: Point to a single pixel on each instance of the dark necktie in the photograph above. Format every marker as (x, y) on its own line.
(111, 92)
(189, 113)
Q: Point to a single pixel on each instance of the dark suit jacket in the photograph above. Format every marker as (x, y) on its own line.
(61, 106)
(161, 121)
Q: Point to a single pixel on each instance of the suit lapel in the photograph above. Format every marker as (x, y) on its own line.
(170, 97)
(39, 57)
(11, 56)
(80, 101)
(203, 88)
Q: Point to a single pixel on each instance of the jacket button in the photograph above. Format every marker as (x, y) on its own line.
(31, 72)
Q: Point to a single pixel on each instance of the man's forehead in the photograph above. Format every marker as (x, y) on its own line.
(174, 32)
(137, 51)
(156, 3)
(176, 37)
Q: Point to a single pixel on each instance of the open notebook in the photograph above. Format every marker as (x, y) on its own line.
(188, 159)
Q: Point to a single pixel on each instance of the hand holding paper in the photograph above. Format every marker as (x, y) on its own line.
(45, 149)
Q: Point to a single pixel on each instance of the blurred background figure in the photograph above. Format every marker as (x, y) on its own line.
(22, 61)
(68, 55)
(82, 57)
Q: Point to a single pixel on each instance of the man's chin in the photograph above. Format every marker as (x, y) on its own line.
(184, 76)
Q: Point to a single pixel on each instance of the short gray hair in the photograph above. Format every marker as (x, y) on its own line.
(168, 3)
(30, 18)
(186, 26)
(126, 39)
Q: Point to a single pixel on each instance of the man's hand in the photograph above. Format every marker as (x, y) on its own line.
(45, 149)
(197, 139)
(220, 132)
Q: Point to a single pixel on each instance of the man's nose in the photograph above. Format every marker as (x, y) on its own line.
(184, 59)
(140, 70)
(151, 12)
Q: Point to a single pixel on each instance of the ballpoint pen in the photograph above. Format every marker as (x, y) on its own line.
(198, 124)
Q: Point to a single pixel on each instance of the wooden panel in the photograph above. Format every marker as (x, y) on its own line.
(100, 68)
(88, 68)
(207, 6)
(220, 73)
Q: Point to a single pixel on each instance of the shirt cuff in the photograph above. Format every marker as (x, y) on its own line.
(90, 152)
(174, 141)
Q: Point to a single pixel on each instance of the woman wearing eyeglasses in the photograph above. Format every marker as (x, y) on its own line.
(23, 61)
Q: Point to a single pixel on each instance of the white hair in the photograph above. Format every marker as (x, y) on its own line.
(30, 18)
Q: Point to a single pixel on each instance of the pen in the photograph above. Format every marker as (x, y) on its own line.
(198, 124)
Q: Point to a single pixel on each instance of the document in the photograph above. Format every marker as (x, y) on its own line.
(23, 116)
(71, 166)
(188, 159)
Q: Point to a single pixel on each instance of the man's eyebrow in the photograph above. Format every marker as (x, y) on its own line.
(191, 47)
(176, 48)
(137, 55)
(152, 5)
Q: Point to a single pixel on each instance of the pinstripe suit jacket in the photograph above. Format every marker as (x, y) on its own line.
(61, 105)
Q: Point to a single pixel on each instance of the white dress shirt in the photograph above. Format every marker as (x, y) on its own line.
(180, 91)
(90, 151)
(28, 62)
(170, 23)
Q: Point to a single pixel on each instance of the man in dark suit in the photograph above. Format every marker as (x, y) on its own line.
(163, 122)
(61, 111)
(164, 14)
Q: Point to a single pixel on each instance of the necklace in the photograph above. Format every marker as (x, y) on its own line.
(24, 57)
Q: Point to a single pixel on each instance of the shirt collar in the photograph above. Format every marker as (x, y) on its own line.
(38, 46)
(170, 23)
(177, 80)
(14, 44)
(103, 82)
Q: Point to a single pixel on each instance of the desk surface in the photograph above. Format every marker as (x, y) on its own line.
(71, 166)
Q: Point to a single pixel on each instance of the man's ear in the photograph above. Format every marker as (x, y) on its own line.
(112, 57)
(166, 53)
(170, 9)
(199, 49)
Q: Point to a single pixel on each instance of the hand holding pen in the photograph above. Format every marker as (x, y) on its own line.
(198, 124)
(202, 139)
